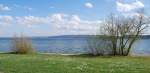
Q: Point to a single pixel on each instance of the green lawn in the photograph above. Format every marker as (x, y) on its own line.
(11, 63)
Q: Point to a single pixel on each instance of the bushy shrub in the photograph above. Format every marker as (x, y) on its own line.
(22, 45)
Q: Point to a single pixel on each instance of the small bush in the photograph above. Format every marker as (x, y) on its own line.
(22, 45)
(99, 45)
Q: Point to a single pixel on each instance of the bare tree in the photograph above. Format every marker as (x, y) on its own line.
(110, 30)
(123, 32)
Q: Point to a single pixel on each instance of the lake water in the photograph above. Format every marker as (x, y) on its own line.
(72, 46)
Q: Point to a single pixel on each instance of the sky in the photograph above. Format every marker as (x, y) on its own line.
(61, 17)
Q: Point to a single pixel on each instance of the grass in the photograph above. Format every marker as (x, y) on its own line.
(39, 63)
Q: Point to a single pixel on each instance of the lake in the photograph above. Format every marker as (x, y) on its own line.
(71, 45)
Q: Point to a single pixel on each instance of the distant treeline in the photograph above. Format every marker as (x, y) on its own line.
(71, 36)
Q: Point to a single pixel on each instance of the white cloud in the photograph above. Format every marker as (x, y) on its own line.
(74, 25)
(76, 18)
(89, 5)
(61, 23)
(6, 20)
(127, 7)
(54, 24)
(32, 20)
(4, 8)
(57, 17)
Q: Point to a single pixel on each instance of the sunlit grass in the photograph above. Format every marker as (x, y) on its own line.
(36, 63)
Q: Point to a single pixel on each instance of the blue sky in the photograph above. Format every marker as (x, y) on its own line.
(61, 17)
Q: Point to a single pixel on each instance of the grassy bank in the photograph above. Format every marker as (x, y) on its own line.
(11, 63)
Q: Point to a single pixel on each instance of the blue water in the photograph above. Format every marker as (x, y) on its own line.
(141, 47)
(72, 46)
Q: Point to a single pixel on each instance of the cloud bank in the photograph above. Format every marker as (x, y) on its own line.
(57, 23)
(127, 7)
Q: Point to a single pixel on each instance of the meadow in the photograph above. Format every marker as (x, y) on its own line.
(45, 63)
